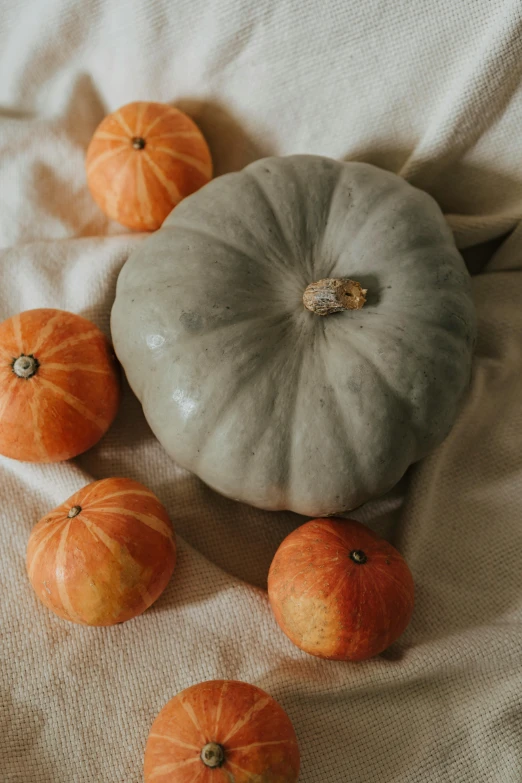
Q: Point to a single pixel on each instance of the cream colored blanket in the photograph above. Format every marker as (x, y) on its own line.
(429, 89)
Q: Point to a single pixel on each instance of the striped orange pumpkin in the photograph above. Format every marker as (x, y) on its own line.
(59, 385)
(103, 556)
(142, 160)
(222, 731)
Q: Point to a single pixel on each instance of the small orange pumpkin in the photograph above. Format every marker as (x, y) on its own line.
(59, 385)
(142, 160)
(222, 731)
(103, 556)
(340, 591)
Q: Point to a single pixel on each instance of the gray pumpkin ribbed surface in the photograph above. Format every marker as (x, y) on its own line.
(267, 402)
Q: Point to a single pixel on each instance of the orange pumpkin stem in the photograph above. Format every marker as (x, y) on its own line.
(25, 366)
(213, 755)
(358, 556)
(333, 294)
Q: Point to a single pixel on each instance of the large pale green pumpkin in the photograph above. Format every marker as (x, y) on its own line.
(266, 401)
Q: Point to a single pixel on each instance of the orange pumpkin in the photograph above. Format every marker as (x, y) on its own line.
(340, 591)
(59, 385)
(142, 160)
(222, 731)
(103, 556)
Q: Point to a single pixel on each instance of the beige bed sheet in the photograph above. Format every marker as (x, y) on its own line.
(427, 89)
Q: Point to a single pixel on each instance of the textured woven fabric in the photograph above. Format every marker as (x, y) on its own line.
(426, 89)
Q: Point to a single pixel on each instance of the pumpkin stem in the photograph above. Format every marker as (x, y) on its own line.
(333, 294)
(74, 511)
(358, 556)
(213, 755)
(138, 143)
(25, 366)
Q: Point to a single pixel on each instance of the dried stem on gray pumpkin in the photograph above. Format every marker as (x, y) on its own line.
(334, 294)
